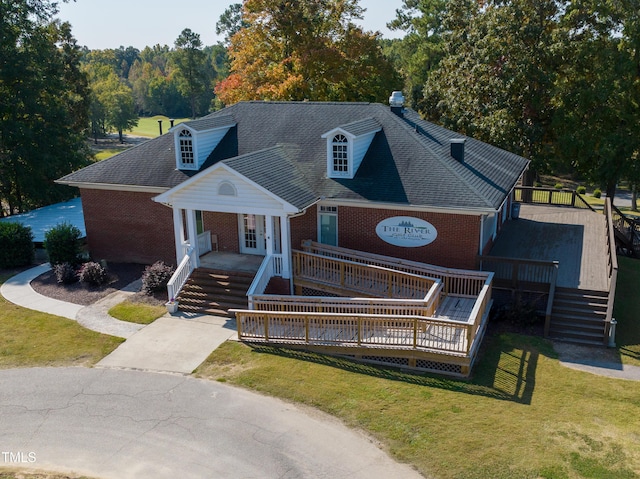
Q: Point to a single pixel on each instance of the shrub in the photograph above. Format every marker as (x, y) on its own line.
(597, 193)
(156, 277)
(581, 190)
(16, 245)
(63, 244)
(65, 273)
(558, 186)
(93, 273)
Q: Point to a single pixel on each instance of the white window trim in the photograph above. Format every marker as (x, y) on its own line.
(328, 210)
(194, 150)
(331, 173)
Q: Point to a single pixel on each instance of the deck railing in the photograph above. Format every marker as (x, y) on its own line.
(366, 279)
(320, 304)
(550, 196)
(456, 281)
(181, 274)
(612, 262)
(204, 242)
(626, 229)
(353, 330)
(345, 323)
(516, 271)
(371, 322)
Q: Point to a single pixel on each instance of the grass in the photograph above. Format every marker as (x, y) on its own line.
(137, 312)
(522, 416)
(106, 153)
(30, 338)
(148, 126)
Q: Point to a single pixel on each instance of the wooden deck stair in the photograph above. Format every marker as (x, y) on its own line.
(578, 315)
(215, 292)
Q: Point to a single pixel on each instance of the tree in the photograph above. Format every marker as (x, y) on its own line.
(116, 99)
(497, 79)
(190, 61)
(305, 50)
(43, 105)
(422, 48)
(598, 99)
(231, 22)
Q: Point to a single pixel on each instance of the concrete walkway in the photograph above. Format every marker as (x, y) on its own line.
(175, 344)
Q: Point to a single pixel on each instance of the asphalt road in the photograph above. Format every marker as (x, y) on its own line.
(128, 424)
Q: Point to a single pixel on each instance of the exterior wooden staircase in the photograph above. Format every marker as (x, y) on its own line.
(215, 292)
(579, 315)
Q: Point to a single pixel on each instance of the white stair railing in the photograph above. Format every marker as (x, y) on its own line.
(181, 274)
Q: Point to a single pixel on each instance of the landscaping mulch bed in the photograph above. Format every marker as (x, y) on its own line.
(120, 275)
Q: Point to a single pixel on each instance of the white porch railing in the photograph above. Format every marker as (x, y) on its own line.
(271, 266)
(182, 273)
(204, 242)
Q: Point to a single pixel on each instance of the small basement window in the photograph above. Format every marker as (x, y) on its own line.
(186, 148)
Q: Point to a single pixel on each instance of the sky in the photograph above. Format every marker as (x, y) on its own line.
(140, 23)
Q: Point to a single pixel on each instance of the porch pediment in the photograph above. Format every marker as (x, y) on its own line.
(222, 189)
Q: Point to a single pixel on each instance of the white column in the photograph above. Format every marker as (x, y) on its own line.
(192, 228)
(269, 234)
(178, 233)
(285, 238)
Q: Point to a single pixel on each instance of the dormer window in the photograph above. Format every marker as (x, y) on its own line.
(340, 150)
(347, 146)
(186, 148)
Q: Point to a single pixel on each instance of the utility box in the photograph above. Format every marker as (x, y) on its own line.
(515, 211)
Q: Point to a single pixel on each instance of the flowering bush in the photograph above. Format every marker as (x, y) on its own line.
(93, 273)
(156, 277)
(65, 273)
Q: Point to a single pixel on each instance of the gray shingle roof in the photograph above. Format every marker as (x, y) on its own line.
(210, 122)
(408, 161)
(361, 127)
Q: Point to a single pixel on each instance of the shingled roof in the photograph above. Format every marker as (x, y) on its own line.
(279, 146)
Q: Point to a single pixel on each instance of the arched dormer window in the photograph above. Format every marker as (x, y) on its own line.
(340, 153)
(186, 148)
(227, 189)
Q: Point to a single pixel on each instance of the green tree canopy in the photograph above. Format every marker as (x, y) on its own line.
(43, 105)
(305, 50)
(189, 59)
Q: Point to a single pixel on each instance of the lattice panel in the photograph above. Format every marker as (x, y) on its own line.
(437, 366)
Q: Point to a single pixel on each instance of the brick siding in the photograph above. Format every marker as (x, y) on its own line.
(128, 227)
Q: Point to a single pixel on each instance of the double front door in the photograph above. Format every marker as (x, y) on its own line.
(253, 234)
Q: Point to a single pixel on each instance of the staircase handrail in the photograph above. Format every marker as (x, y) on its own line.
(613, 267)
(271, 266)
(181, 274)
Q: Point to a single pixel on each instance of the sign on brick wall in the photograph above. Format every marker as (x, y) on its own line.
(406, 231)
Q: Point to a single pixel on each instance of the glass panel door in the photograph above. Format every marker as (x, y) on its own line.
(328, 225)
(252, 238)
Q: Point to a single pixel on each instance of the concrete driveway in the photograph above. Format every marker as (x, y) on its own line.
(131, 424)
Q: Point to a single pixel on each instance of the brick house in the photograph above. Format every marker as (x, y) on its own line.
(260, 177)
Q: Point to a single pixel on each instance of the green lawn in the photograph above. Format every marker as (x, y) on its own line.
(148, 126)
(523, 415)
(137, 312)
(30, 338)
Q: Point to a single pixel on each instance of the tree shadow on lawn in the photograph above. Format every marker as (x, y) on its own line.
(504, 370)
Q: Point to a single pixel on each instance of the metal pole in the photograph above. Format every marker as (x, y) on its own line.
(612, 333)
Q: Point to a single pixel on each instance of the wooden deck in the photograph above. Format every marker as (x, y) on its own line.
(573, 237)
